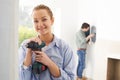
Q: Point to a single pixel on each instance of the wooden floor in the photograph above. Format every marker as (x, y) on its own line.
(84, 78)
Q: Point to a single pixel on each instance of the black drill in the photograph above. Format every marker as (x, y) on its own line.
(37, 67)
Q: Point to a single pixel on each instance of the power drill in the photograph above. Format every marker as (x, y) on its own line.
(37, 67)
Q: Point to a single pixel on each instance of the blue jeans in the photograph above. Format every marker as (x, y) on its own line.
(81, 62)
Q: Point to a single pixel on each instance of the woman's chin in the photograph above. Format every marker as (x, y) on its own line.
(42, 33)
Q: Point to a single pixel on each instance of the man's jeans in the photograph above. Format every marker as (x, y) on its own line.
(81, 62)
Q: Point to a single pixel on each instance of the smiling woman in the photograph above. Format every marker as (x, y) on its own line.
(56, 55)
(25, 22)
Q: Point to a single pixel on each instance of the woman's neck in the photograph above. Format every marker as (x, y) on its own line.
(46, 38)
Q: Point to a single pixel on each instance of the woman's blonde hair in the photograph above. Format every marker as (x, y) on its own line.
(42, 6)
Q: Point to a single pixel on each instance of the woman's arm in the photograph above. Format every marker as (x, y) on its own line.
(24, 68)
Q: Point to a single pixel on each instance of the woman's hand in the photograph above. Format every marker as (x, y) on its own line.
(43, 58)
(28, 57)
(35, 39)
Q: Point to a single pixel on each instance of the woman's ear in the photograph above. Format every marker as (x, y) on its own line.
(52, 20)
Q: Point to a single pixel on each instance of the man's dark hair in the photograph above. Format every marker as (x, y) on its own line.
(85, 25)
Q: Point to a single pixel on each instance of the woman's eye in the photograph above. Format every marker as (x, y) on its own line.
(44, 20)
(35, 21)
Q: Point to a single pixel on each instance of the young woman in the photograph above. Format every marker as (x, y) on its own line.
(56, 55)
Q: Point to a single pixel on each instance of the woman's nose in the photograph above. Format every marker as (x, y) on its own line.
(40, 24)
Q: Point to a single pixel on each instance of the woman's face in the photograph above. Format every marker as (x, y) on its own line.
(42, 21)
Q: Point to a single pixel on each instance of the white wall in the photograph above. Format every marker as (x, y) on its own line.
(69, 19)
(104, 14)
(8, 39)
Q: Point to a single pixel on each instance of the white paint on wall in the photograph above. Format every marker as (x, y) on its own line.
(8, 39)
(104, 14)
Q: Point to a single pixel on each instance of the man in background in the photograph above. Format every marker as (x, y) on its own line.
(81, 42)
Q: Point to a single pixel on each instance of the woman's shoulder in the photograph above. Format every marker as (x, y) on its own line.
(62, 44)
(64, 47)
